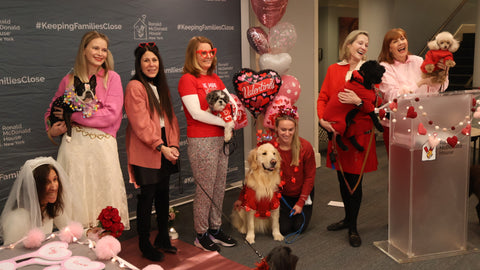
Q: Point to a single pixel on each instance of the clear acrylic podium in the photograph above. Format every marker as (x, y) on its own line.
(428, 187)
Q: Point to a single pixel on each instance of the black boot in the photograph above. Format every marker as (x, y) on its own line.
(148, 250)
(144, 210)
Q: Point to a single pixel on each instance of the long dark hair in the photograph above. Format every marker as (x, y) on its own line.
(40, 174)
(163, 104)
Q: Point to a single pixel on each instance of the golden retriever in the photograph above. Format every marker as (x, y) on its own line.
(260, 200)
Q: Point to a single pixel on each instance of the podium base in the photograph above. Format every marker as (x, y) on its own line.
(400, 257)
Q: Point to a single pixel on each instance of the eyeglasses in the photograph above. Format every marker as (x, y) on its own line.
(205, 53)
(146, 44)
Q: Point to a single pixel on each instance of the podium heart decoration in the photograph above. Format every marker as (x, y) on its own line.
(411, 113)
(421, 129)
(269, 12)
(467, 129)
(452, 141)
(393, 106)
(82, 263)
(433, 141)
(382, 114)
(256, 89)
(258, 40)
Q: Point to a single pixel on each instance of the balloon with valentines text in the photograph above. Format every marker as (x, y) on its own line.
(272, 110)
(279, 62)
(256, 89)
(269, 12)
(290, 88)
(282, 37)
(258, 40)
(240, 114)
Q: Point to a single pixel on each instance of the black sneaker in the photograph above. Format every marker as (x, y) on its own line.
(219, 237)
(204, 242)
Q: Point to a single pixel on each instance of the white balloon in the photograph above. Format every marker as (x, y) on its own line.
(278, 62)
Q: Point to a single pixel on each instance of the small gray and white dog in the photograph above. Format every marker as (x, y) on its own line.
(218, 102)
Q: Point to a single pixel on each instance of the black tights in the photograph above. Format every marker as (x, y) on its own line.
(157, 193)
(351, 201)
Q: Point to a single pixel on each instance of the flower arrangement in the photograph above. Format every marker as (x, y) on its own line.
(109, 220)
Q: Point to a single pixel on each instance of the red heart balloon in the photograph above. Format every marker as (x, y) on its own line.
(452, 141)
(269, 12)
(258, 40)
(411, 113)
(256, 89)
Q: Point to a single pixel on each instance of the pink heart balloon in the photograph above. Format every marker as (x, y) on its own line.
(272, 110)
(258, 40)
(282, 37)
(241, 120)
(290, 88)
(269, 12)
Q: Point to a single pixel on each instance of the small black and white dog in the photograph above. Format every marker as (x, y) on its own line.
(80, 98)
(219, 104)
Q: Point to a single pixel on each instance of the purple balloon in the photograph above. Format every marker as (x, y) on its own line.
(258, 40)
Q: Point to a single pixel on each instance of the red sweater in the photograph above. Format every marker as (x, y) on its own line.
(434, 56)
(298, 180)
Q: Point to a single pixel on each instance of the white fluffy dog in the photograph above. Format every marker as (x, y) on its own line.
(218, 102)
(260, 208)
(441, 49)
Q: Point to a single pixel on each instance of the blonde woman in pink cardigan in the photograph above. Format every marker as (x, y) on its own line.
(91, 157)
(152, 146)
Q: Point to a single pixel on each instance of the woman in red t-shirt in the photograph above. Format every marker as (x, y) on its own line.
(205, 136)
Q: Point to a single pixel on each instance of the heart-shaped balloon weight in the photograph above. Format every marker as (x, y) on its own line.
(269, 12)
(82, 263)
(256, 89)
(258, 40)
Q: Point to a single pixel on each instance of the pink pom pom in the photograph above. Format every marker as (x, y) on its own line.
(34, 238)
(107, 247)
(72, 232)
(153, 267)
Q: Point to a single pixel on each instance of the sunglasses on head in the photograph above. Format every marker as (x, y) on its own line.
(146, 44)
(207, 53)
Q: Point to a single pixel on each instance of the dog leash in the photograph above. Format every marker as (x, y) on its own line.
(299, 231)
(227, 218)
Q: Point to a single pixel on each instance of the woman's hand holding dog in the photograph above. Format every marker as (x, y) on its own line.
(349, 97)
(57, 129)
(170, 153)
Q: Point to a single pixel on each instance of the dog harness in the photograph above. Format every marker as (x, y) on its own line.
(262, 207)
(225, 114)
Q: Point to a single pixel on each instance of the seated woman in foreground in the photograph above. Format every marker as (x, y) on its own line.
(39, 199)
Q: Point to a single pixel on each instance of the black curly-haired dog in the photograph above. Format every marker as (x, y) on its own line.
(341, 116)
(84, 91)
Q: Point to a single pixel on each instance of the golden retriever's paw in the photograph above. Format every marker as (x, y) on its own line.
(278, 237)
(250, 238)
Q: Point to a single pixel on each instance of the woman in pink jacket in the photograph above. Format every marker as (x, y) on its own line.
(152, 146)
(91, 158)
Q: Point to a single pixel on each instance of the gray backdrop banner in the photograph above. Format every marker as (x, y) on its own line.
(38, 44)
